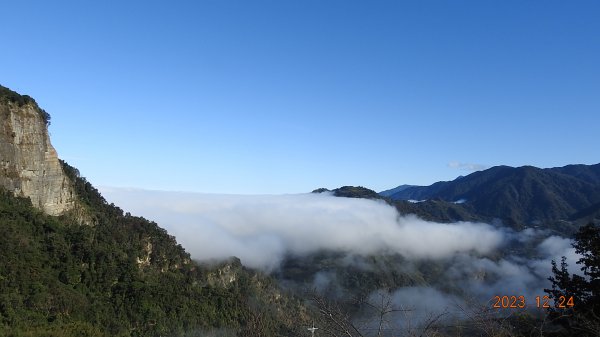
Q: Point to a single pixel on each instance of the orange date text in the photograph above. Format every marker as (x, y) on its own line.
(519, 302)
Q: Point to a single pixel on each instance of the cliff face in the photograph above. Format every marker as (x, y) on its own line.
(29, 164)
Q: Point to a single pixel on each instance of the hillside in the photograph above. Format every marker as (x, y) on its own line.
(351, 192)
(432, 210)
(96, 271)
(29, 164)
(392, 191)
(72, 264)
(521, 196)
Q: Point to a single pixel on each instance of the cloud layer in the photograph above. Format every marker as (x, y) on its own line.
(263, 229)
(260, 230)
(467, 166)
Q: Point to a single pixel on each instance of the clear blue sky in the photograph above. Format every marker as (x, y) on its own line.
(286, 96)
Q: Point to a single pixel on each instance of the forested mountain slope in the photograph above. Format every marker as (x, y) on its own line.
(123, 276)
(519, 196)
(95, 271)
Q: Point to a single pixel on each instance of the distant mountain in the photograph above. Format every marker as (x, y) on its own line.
(351, 192)
(390, 192)
(432, 210)
(588, 214)
(439, 210)
(519, 196)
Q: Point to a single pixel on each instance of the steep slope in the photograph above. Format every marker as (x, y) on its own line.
(588, 214)
(119, 276)
(124, 276)
(390, 192)
(29, 164)
(525, 194)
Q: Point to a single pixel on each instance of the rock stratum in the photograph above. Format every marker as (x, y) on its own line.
(28, 162)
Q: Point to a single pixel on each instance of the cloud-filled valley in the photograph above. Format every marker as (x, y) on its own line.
(262, 230)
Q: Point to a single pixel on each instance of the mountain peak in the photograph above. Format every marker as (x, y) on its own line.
(520, 195)
(30, 165)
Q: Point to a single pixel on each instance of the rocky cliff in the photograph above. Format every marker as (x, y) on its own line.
(29, 165)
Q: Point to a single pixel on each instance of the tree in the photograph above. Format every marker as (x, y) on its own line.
(379, 316)
(583, 318)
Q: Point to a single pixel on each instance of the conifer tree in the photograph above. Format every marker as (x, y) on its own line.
(583, 317)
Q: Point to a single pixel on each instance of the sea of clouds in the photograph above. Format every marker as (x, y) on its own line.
(262, 229)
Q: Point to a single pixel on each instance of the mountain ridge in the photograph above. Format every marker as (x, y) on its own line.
(392, 191)
(122, 275)
(92, 270)
(524, 195)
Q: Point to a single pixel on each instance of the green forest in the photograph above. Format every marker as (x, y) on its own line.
(123, 275)
(59, 278)
(98, 271)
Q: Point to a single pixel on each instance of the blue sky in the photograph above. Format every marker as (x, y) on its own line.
(286, 96)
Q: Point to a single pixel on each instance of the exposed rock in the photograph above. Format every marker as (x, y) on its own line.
(223, 276)
(29, 165)
(225, 273)
(144, 261)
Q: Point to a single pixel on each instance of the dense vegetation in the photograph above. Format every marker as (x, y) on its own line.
(352, 192)
(121, 276)
(583, 319)
(560, 198)
(7, 95)
(385, 272)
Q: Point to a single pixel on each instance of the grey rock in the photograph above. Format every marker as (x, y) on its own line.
(29, 165)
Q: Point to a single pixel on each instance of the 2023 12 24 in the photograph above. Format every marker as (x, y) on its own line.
(519, 302)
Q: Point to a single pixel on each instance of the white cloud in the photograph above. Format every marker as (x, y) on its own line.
(426, 300)
(554, 248)
(261, 229)
(467, 166)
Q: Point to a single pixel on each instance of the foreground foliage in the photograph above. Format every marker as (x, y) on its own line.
(583, 319)
(121, 276)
